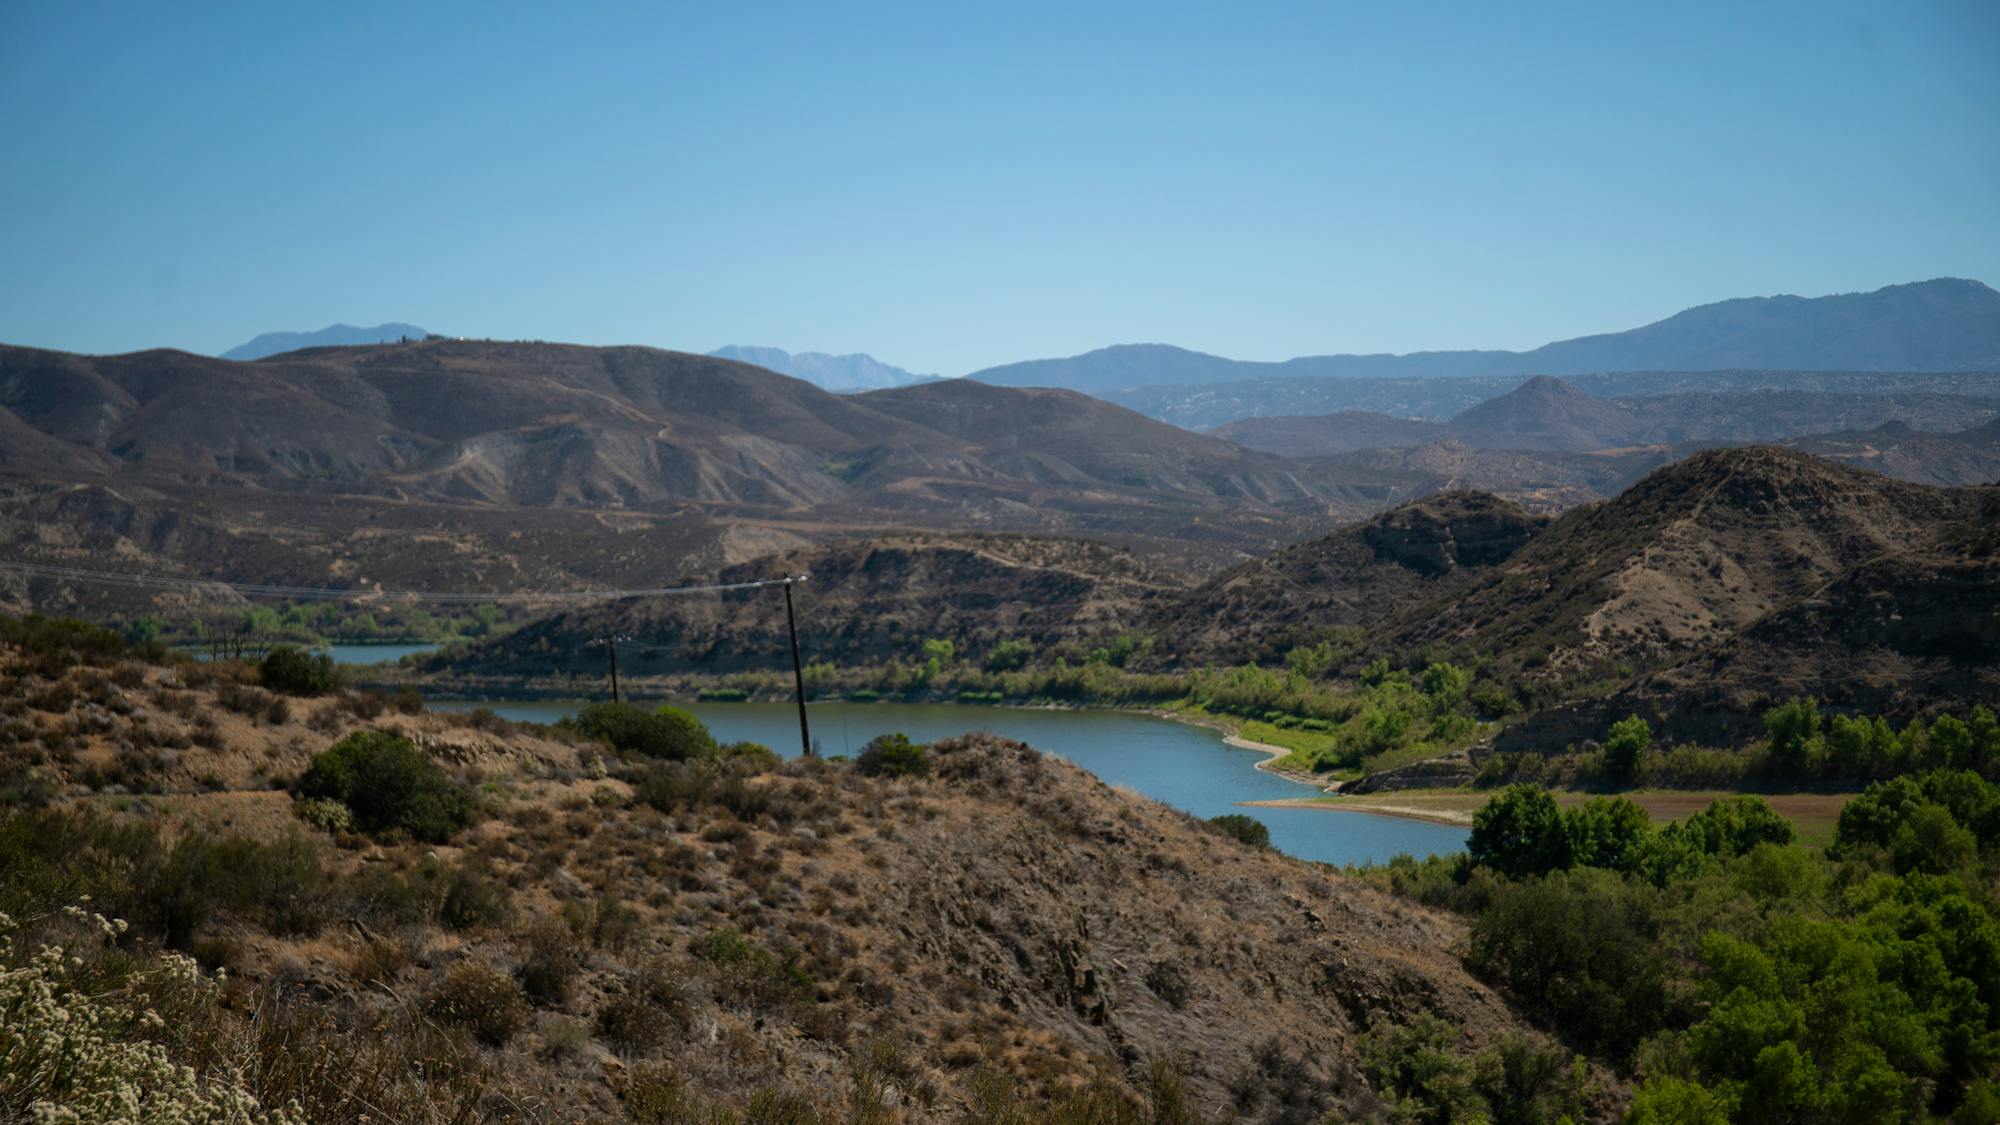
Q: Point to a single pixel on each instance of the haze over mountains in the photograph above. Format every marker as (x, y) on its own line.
(333, 335)
(504, 466)
(837, 373)
(1945, 324)
(1545, 413)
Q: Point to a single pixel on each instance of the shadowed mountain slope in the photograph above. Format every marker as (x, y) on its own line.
(866, 601)
(1685, 557)
(1358, 576)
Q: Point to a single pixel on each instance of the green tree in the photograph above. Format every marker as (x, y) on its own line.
(1858, 747)
(288, 670)
(1612, 833)
(1951, 744)
(1008, 656)
(1446, 684)
(1796, 744)
(1625, 745)
(1310, 662)
(1520, 833)
(1579, 950)
(1732, 826)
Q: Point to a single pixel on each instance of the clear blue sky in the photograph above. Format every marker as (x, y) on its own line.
(949, 190)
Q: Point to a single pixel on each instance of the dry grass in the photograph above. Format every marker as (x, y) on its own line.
(792, 932)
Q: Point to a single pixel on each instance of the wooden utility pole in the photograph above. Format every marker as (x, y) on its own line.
(798, 671)
(610, 641)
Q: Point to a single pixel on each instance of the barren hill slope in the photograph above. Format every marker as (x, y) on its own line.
(1545, 413)
(469, 427)
(717, 931)
(1683, 558)
(1357, 576)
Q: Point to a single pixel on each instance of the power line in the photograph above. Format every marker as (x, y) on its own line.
(329, 594)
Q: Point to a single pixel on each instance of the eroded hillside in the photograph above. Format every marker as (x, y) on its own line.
(614, 934)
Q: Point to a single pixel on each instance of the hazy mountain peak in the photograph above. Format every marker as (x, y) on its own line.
(333, 335)
(1944, 324)
(856, 372)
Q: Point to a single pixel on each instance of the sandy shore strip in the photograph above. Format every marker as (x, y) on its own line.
(1231, 738)
(1452, 817)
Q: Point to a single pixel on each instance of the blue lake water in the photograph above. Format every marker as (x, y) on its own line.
(1188, 767)
(361, 654)
(374, 654)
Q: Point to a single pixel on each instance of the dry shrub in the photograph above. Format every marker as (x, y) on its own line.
(480, 999)
(551, 965)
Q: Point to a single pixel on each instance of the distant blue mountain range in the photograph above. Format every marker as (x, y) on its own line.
(1947, 324)
(333, 335)
(836, 373)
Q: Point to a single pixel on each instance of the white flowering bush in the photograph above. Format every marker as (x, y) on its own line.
(325, 814)
(67, 1056)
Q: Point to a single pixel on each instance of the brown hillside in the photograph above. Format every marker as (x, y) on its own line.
(1339, 432)
(473, 441)
(802, 931)
(1546, 413)
(866, 601)
(1681, 560)
(1355, 577)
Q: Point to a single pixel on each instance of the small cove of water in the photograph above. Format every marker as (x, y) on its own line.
(1188, 767)
(344, 654)
(375, 653)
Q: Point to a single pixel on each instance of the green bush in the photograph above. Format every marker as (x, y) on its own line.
(56, 643)
(664, 732)
(1624, 745)
(1008, 656)
(1578, 950)
(1519, 833)
(388, 784)
(893, 755)
(1796, 743)
(1246, 829)
(293, 672)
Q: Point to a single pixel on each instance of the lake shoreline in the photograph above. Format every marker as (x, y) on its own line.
(1431, 816)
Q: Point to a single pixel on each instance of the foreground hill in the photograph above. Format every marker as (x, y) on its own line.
(1946, 324)
(613, 935)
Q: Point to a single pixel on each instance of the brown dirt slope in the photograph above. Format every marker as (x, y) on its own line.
(1359, 576)
(1684, 558)
(1007, 916)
